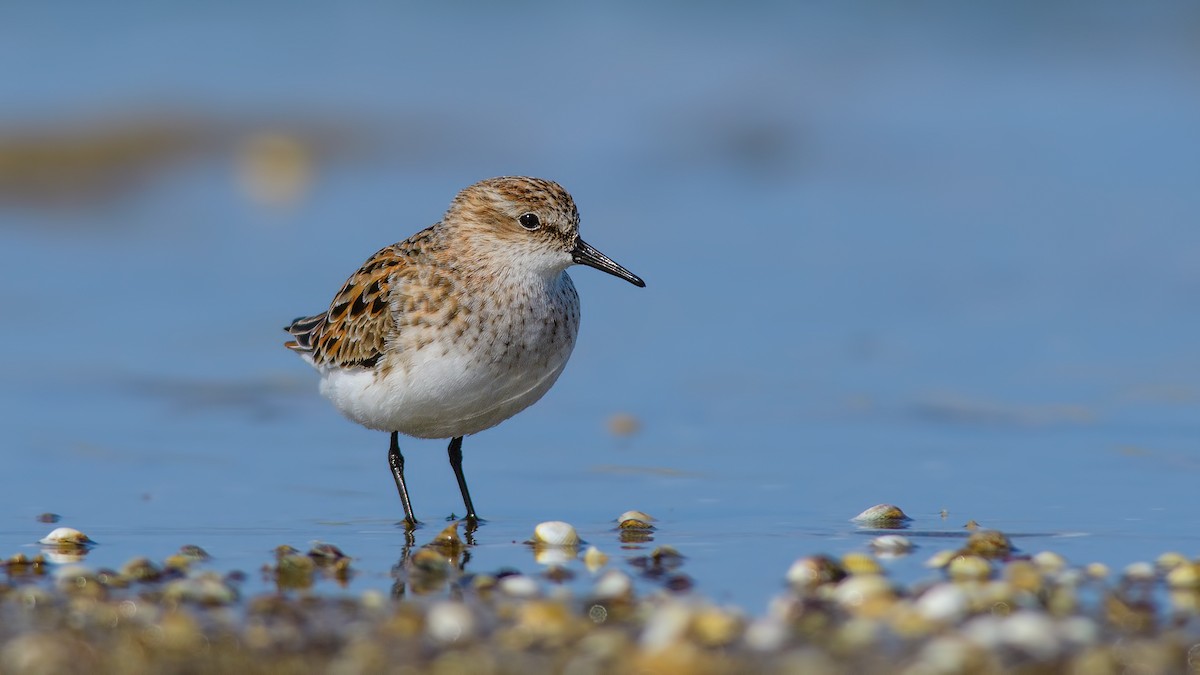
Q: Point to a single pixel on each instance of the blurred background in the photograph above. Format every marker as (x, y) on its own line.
(945, 255)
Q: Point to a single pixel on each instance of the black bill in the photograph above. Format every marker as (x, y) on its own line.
(584, 254)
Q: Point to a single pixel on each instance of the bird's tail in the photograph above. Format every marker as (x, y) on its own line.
(304, 329)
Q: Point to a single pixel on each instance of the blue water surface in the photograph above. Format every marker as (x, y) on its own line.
(944, 256)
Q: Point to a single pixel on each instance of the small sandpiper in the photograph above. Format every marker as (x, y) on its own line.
(460, 326)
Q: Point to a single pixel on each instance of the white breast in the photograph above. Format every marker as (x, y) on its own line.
(459, 385)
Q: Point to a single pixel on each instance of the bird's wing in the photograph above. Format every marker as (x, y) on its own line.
(355, 330)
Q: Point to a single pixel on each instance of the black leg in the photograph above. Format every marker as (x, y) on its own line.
(396, 462)
(455, 452)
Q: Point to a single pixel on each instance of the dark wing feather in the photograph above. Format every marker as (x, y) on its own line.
(355, 330)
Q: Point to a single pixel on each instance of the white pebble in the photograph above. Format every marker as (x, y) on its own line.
(944, 654)
(854, 592)
(1140, 571)
(613, 584)
(518, 586)
(944, 603)
(1032, 633)
(450, 621)
(766, 634)
(1080, 631)
(665, 627)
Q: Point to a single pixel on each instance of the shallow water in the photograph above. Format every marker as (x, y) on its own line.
(943, 259)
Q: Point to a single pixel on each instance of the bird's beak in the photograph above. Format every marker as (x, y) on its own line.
(584, 254)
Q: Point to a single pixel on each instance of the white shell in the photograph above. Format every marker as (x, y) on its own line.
(1032, 633)
(766, 634)
(944, 603)
(450, 621)
(594, 559)
(1140, 571)
(555, 533)
(854, 592)
(635, 515)
(66, 536)
(1049, 561)
(613, 584)
(1184, 576)
(881, 513)
(665, 627)
(518, 586)
(969, 568)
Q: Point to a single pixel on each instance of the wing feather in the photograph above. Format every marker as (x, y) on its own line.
(355, 329)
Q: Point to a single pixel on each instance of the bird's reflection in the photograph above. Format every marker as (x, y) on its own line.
(430, 567)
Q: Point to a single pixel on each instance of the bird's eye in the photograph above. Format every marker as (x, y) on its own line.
(530, 221)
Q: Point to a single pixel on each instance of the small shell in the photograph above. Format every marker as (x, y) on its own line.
(294, 571)
(141, 569)
(449, 622)
(1171, 560)
(1024, 575)
(634, 524)
(594, 559)
(204, 589)
(969, 568)
(1097, 570)
(940, 559)
(636, 515)
(867, 595)
(66, 537)
(613, 585)
(1139, 571)
(80, 582)
(665, 627)
(1079, 630)
(555, 533)
(518, 586)
(944, 603)
(1033, 633)
(284, 550)
(988, 543)
(325, 554)
(861, 563)
(623, 424)
(1185, 601)
(766, 634)
(178, 563)
(1184, 576)
(1049, 561)
(448, 541)
(882, 515)
(667, 557)
(812, 571)
(194, 552)
(713, 627)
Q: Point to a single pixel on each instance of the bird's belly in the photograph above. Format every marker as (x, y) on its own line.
(442, 395)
